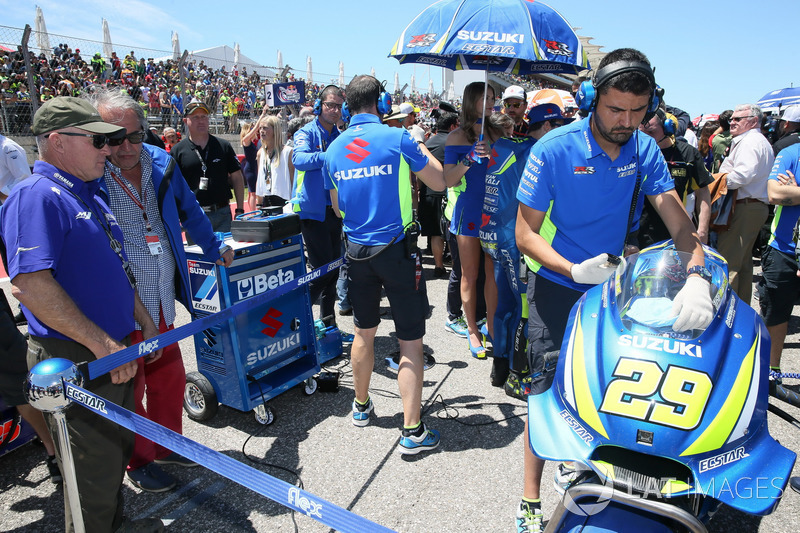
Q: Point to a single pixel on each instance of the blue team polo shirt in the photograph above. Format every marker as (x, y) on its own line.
(46, 227)
(785, 215)
(503, 173)
(585, 195)
(369, 165)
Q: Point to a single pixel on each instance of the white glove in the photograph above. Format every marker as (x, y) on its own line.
(592, 271)
(692, 305)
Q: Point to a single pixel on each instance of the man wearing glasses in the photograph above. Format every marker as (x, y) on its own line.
(151, 200)
(210, 167)
(76, 287)
(515, 102)
(321, 228)
(748, 165)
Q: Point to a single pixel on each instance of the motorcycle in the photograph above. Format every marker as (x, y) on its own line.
(663, 426)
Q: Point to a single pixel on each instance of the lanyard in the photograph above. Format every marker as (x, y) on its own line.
(202, 161)
(115, 245)
(135, 200)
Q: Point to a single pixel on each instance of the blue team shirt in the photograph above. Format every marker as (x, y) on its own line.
(45, 227)
(785, 215)
(308, 157)
(585, 195)
(369, 165)
(504, 170)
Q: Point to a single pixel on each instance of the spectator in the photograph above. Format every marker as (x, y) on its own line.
(248, 138)
(275, 168)
(788, 129)
(748, 165)
(515, 103)
(721, 141)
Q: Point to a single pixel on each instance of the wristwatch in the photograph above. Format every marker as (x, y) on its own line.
(700, 271)
(467, 162)
(238, 211)
(224, 249)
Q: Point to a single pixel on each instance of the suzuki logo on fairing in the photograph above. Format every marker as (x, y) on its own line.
(491, 37)
(661, 344)
(358, 173)
(307, 506)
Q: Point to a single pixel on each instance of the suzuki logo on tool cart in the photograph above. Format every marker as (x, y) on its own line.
(270, 321)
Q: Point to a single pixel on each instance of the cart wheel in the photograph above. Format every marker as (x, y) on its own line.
(264, 414)
(310, 387)
(199, 398)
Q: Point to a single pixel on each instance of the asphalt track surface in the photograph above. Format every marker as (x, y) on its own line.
(472, 482)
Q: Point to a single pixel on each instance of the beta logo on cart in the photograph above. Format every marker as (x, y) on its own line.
(250, 287)
(203, 281)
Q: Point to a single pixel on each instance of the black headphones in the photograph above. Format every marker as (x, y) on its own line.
(586, 97)
(318, 101)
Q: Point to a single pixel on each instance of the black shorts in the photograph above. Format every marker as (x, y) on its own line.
(397, 275)
(13, 361)
(778, 287)
(549, 305)
(430, 215)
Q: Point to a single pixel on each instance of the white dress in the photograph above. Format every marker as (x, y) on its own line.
(274, 179)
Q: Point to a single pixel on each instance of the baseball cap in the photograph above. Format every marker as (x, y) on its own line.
(396, 114)
(69, 112)
(542, 112)
(194, 106)
(792, 114)
(447, 106)
(408, 108)
(514, 91)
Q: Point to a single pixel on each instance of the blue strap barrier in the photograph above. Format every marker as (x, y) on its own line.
(260, 482)
(108, 363)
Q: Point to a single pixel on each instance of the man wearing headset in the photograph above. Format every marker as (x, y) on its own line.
(575, 199)
(367, 172)
(321, 228)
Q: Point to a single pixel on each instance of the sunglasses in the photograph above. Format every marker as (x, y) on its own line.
(98, 139)
(515, 105)
(137, 137)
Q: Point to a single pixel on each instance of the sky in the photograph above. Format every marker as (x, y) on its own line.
(709, 55)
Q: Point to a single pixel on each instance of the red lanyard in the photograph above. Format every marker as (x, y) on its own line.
(136, 201)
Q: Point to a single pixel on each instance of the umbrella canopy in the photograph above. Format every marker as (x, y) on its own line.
(107, 46)
(309, 72)
(561, 98)
(513, 36)
(775, 100)
(176, 46)
(705, 117)
(42, 38)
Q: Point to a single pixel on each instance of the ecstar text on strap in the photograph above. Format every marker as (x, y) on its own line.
(108, 363)
(273, 488)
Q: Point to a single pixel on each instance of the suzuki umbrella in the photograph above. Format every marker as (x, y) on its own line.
(775, 100)
(513, 36)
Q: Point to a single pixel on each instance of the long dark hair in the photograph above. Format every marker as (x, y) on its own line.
(473, 93)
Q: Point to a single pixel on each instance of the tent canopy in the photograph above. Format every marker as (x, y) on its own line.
(219, 56)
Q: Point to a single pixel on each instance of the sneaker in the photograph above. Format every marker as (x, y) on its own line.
(361, 413)
(457, 326)
(52, 468)
(347, 338)
(529, 517)
(143, 525)
(176, 459)
(151, 478)
(565, 475)
(428, 439)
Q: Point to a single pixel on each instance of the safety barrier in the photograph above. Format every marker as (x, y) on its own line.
(55, 383)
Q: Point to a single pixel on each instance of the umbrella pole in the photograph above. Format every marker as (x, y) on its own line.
(485, 96)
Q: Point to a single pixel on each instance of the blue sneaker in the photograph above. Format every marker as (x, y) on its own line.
(361, 413)
(347, 338)
(427, 440)
(457, 326)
